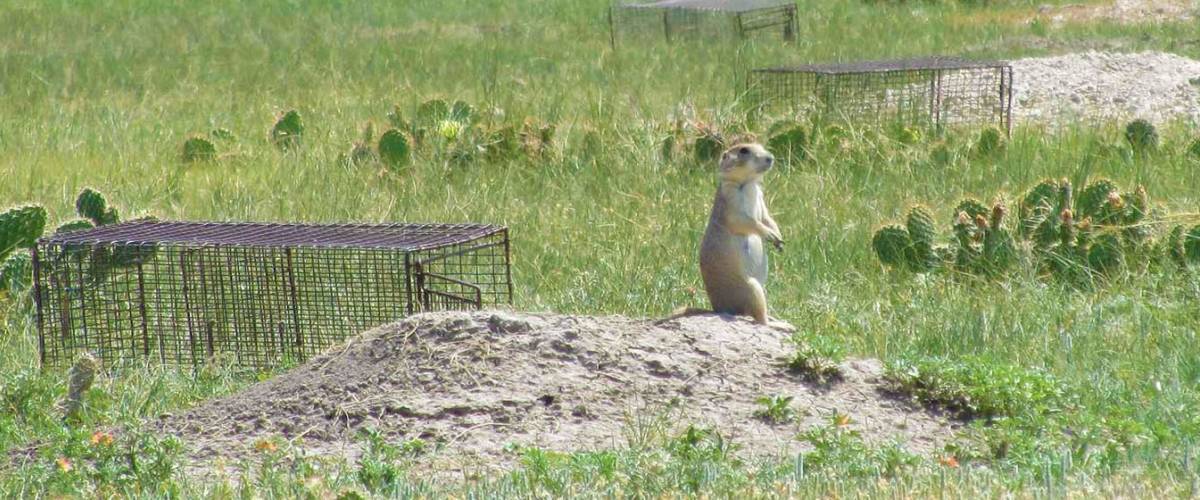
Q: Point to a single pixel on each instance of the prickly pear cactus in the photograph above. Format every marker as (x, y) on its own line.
(129, 255)
(462, 112)
(1191, 245)
(92, 205)
(197, 148)
(287, 131)
(1093, 198)
(16, 272)
(394, 148)
(972, 207)
(1106, 253)
(432, 111)
(788, 141)
(74, 225)
(79, 380)
(991, 142)
(502, 143)
(921, 233)
(892, 245)
(1037, 207)
(1175, 248)
(1141, 135)
(20, 228)
(968, 252)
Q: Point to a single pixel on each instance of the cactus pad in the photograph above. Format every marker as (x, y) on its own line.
(921, 233)
(990, 142)
(92, 205)
(16, 272)
(197, 148)
(1141, 135)
(1105, 253)
(462, 112)
(20, 228)
(394, 148)
(287, 131)
(972, 207)
(1191, 245)
(72, 226)
(432, 111)
(1093, 198)
(788, 141)
(891, 244)
(502, 143)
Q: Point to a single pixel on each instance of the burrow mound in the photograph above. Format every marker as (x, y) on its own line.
(474, 383)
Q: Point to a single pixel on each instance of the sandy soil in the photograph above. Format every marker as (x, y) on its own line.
(472, 383)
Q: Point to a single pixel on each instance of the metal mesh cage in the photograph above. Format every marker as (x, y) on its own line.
(182, 292)
(936, 91)
(703, 19)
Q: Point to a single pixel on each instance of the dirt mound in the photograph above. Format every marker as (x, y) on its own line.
(473, 383)
(1104, 86)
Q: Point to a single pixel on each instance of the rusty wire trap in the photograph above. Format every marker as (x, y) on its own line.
(262, 294)
(938, 91)
(703, 19)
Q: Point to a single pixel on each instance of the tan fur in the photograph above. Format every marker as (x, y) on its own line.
(733, 262)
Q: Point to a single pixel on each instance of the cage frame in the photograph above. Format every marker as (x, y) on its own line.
(937, 68)
(748, 16)
(299, 265)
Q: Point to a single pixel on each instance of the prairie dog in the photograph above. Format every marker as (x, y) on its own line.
(733, 262)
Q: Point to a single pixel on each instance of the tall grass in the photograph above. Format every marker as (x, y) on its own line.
(104, 93)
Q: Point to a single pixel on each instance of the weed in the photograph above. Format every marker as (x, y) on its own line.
(776, 409)
(972, 387)
(817, 357)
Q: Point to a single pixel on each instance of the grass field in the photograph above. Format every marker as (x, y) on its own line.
(103, 93)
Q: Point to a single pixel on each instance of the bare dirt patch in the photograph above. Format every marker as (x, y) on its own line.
(1119, 11)
(1097, 86)
(472, 383)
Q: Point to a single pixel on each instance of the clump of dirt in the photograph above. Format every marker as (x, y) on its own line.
(472, 383)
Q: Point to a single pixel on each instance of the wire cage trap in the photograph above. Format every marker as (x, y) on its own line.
(703, 19)
(937, 91)
(179, 293)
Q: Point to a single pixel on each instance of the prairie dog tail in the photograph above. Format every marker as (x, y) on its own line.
(682, 312)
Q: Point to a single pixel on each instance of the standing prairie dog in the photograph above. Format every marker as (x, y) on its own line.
(733, 262)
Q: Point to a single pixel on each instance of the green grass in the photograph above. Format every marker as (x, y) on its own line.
(104, 94)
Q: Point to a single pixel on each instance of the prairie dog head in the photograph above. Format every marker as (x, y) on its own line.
(745, 162)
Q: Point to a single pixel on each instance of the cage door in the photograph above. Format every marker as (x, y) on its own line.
(438, 292)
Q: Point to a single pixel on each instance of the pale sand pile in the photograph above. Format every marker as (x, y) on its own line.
(472, 383)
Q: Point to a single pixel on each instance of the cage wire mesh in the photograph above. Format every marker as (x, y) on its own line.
(694, 20)
(180, 293)
(935, 91)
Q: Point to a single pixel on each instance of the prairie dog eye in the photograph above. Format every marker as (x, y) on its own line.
(743, 151)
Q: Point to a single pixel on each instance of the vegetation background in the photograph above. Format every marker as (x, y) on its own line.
(104, 93)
